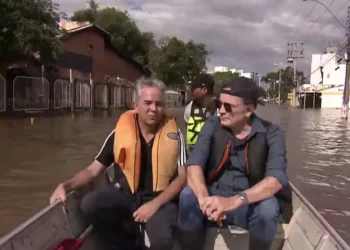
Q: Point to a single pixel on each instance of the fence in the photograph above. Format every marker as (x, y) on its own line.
(2, 93)
(62, 94)
(82, 95)
(129, 96)
(173, 99)
(101, 95)
(122, 95)
(30, 93)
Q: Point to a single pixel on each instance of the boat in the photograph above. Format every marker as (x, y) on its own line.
(307, 230)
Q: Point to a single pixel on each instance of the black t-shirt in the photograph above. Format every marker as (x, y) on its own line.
(106, 157)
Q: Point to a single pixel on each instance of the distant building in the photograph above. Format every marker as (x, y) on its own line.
(326, 71)
(252, 75)
(220, 69)
(328, 78)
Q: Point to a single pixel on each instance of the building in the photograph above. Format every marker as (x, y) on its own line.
(326, 70)
(220, 69)
(102, 59)
(90, 72)
(327, 78)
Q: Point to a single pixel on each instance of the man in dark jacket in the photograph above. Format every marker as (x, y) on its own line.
(235, 171)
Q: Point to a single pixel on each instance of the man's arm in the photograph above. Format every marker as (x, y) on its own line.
(196, 163)
(275, 179)
(179, 182)
(276, 168)
(104, 158)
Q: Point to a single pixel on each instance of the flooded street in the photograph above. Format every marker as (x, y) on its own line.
(34, 158)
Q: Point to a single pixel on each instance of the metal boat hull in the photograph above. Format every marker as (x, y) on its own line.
(307, 230)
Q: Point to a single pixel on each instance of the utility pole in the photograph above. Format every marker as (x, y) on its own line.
(279, 86)
(295, 51)
(345, 107)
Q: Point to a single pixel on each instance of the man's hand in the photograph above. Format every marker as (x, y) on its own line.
(145, 212)
(60, 194)
(216, 207)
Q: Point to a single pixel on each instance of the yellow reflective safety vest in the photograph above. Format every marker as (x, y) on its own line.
(197, 119)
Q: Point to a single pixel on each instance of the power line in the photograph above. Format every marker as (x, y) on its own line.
(340, 49)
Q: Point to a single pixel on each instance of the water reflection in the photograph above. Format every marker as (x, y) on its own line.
(318, 159)
(36, 156)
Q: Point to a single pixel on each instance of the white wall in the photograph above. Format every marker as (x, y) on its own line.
(330, 75)
(332, 98)
(220, 69)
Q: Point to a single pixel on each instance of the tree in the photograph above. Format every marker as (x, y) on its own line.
(171, 59)
(89, 14)
(125, 34)
(28, 27)
(176, 62)
(222, 78)
(287, 76)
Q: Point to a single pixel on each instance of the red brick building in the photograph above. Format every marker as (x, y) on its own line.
(91, 42)
(88, 54)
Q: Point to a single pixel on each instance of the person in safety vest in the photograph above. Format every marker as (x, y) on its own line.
(236, 173)
(148, 152)
(203, 105)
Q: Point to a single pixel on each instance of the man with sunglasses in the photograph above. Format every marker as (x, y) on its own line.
(236, 173)
(203, 105)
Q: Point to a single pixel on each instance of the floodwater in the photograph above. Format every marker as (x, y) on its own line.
(36, 155)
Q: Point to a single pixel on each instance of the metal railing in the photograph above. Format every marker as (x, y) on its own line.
(62, 94)
(114, 90)
(82, 95)
(101, 95)
(30, 93)
(2, 93)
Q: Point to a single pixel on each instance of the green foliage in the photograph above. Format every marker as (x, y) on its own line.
(222, 78)
(125, 34)
(28, 27)
(177, 62)
(170, 59)
(287, 76)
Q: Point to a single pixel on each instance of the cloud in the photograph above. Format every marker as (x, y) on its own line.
(248, 34)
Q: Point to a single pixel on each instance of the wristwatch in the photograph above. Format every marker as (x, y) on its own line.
(243, 197)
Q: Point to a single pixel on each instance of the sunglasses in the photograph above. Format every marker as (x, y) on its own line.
(227, 106)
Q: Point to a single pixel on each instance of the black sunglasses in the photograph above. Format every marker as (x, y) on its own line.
(227, 106)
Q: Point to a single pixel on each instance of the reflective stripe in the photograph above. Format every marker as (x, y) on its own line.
(194, 126)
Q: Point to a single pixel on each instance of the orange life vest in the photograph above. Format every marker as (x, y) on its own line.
(127, 151)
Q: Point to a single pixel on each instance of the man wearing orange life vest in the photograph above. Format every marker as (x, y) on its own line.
(149, 175)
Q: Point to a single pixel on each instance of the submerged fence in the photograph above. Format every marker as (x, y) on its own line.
(101, 95)
(82, 95)
(2, 94)
(30, 93)
(62, 94)
(36, 93)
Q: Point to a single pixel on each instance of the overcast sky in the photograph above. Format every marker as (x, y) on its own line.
(243, 34)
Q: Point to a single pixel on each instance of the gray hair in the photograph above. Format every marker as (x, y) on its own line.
(149, 82)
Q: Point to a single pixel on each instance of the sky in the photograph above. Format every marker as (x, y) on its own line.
(251, 35)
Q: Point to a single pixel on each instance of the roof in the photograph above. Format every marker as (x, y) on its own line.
(75, 27)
